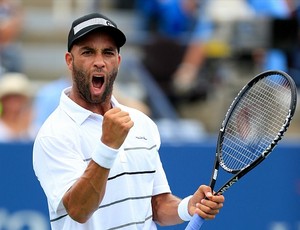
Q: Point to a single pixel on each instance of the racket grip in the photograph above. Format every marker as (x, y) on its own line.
(195, 223)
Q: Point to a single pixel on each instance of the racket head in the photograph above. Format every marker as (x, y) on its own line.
(256, 120)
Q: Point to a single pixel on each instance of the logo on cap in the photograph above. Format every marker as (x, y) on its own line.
(92, 22)
(109, 23)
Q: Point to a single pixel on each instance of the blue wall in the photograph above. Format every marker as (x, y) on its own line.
(266, 199)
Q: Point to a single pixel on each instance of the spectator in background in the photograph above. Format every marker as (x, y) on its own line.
(16, 111)
(273, 57)
(11, 17)
(47, 99)
(175, 52)
(294, 53)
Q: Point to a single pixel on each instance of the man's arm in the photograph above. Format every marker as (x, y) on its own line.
(85, 196)
(165, 206)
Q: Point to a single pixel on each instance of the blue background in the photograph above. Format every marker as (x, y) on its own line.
(267, 198)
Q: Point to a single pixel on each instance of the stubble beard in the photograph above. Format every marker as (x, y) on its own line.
(83, 85)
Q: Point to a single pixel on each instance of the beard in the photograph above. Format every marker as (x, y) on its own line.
(81, 79)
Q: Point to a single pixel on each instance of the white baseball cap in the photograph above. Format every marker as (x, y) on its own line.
(15, 83)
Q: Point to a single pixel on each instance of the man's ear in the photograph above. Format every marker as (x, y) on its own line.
(119, 60)
(69, 60)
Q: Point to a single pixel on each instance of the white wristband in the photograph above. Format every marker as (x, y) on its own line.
(104, 155)
(183, 209)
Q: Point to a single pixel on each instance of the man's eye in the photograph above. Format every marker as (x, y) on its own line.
(109, 52)
(87, 52)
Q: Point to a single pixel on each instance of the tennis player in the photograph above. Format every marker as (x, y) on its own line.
(97, 160)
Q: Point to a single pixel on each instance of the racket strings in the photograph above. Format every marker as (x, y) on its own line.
(255, 122)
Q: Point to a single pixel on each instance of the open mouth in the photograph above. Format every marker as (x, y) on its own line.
(97, 81)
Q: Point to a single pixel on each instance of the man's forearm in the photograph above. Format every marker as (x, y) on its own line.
(165, 209)
(85, 196)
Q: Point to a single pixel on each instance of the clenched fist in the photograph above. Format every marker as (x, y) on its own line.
(115, 127)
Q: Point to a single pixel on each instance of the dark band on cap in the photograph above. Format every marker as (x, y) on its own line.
(91, 22)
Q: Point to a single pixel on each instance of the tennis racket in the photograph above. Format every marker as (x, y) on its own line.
(254, 124)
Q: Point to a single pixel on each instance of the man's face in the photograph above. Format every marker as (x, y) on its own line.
(94, 66)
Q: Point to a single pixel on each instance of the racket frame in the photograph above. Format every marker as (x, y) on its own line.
(197, 221)
(240, 173)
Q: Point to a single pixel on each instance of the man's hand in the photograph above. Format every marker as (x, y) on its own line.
(115, 127)
(205, 204)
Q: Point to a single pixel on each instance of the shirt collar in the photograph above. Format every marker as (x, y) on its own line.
(75, 111)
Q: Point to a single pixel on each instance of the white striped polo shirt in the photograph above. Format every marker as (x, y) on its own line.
(62, 151)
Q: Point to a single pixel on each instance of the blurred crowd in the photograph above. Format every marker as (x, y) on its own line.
(181, 41)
